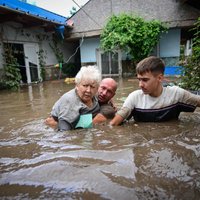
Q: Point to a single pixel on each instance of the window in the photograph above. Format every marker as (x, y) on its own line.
(109, 63)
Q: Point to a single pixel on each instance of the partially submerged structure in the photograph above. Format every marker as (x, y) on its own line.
(40, 38)
(179, 15)
(33, 34)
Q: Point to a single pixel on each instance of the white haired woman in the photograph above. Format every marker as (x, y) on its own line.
(79, 101)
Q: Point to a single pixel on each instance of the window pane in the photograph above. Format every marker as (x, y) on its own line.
(114, 63)
(105, 63)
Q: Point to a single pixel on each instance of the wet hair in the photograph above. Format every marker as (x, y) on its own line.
(151, 64)
(88, 73)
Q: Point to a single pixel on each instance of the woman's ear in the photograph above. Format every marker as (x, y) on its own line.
(76, 87)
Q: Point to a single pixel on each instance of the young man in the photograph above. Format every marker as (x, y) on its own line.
(153, 102)
(106, 92)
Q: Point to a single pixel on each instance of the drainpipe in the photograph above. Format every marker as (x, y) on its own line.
(60, 30)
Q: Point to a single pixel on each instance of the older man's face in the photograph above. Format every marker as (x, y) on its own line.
(106, 91)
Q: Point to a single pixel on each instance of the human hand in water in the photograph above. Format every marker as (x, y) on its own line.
(99, 118)
(49, 121)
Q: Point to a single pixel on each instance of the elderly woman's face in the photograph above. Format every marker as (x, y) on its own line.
(86, 90)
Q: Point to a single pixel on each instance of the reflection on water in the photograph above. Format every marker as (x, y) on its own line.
(133, 161)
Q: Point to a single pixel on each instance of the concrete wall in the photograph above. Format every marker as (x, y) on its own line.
(169, 47)
(88, 50)
(14, 33)
(170, 43)
(90, 20)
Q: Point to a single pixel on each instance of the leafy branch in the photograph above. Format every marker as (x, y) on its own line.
(132, 34)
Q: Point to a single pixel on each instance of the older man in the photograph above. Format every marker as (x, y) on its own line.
(106, 92)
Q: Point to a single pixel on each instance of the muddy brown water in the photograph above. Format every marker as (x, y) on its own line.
(133, 161)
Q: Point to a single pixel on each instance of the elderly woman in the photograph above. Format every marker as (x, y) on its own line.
(79, 101)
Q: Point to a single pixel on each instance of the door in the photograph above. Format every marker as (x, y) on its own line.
(32, 63)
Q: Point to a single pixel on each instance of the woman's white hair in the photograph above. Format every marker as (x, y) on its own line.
(88, 73)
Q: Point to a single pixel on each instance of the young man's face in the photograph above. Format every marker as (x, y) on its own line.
(150, 84)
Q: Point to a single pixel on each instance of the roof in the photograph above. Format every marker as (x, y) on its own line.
(194, 3)
(14, 10)
(93, 16)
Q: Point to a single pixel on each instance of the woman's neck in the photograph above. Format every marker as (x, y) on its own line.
(89, 103)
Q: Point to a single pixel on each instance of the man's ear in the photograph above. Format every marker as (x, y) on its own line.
(161, 77)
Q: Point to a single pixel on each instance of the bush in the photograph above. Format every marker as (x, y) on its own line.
(131, 34)
(191, 74)
(11, 77)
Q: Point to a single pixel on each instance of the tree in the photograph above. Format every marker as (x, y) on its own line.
(73, 11)
(132, 34)
(191, 64)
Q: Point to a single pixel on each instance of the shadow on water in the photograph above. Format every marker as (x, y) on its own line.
(132, 161)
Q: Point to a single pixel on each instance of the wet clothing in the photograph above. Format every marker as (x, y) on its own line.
(167, 106)
(69, 107)
(108, 110)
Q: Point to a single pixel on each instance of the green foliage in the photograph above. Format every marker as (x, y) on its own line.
(12, 76)
(72, 11)
(57, 51)
(191, 77)
(42, 56)
(132, 34)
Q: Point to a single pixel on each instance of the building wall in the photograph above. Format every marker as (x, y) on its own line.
(90, 20)
(88, 50)
(14, 33)
(169, 48)
(170, 43)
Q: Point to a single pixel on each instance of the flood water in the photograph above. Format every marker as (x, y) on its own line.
(133, 161)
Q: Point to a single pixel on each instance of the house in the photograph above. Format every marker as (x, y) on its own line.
(30, 32)
(180, 15)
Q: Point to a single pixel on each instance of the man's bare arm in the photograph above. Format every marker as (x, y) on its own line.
(116, 120)
(193, 99)
(120, 116)
(198, 104)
